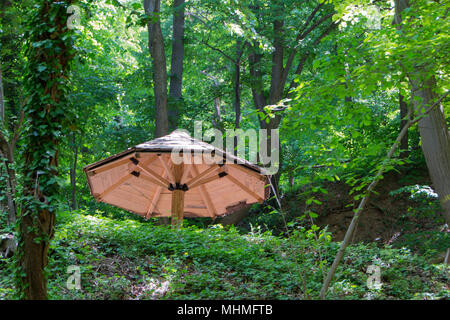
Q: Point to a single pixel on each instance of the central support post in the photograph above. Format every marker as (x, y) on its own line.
(177, 197)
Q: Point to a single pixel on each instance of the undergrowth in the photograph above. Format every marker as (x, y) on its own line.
(128, 259)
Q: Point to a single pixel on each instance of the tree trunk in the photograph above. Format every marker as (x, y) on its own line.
(73, 173)
(2, 119)
(276, 88)
(176, 71)
(279, 72)
(237, 87)
(237, 91)
(34, 258)
(217, 117)
(157, 52)
(435, 140)
(40, 154)
(11, 191)
(259, 99)
(276, 84)
(403, 113)
(256, 83)
(433, 129)
(2, 99)
(7, 152)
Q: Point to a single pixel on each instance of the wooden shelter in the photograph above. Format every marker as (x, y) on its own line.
(178, 176)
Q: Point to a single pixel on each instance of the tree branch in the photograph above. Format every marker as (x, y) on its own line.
(438, 101)
(314, 26)
(220, 51)
(302, 36)
(311, 16)
(303, 59)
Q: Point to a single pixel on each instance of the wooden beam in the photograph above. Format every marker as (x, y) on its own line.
(244, 188)
(114, 186)
(154, 200)
(150, 159)
(177, 198)
(205, 197)
(153, 174)
(177, 207)
(207, 200)
(178, 170)
(186, 172)
(204, 173)
(116, 164)
(127, 187)
(247, 171)
(153, 181)
(167, 169)
(109, 166)
(206, 180)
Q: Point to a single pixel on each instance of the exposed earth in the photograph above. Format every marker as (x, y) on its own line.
(390, 215)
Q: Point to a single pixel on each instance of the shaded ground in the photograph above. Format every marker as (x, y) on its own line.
(126, 259)
(403, 210)
(387, 216)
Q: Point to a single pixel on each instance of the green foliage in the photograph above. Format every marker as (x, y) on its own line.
(339, 120)
(430, 242)
(136, 260)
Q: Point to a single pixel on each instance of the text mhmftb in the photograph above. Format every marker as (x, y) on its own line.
(259, 309)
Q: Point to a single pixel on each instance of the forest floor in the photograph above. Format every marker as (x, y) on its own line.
(403, 212)
(388, 215)
(130, 259)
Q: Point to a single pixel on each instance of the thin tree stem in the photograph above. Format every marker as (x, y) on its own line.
(362, 204)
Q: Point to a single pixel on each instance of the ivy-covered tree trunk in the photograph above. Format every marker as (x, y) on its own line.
(49, 52)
